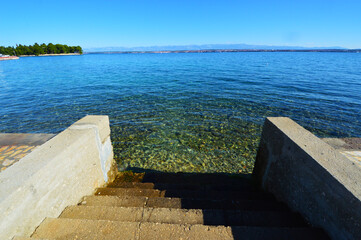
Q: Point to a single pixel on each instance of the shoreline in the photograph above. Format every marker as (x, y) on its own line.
(9, 58)
(52, 54)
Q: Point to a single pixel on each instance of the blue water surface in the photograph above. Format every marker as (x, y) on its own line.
(188, 111)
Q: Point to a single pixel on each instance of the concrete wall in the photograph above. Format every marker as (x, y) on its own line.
(311, 177)
(55, 175)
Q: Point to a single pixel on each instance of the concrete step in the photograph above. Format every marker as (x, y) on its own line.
(186, 203)
(129, 192)
(199, 178)
(195, 186)
(115, 201)
(185, 216)
(29, 238)
(211, 194)
(141, 185)
(64, 228)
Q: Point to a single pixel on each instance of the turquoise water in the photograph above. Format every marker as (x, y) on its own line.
(184, 112)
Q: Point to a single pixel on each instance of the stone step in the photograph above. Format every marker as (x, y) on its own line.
(199, 178)
(64, 229)
(211, 194)
(186, 203)
(29, 238)
(141, 185)
(129, 192)
(185, 216)
(172, 186)
(115, 201)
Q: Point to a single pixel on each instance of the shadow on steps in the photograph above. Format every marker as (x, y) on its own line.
(149, 175)
(225, 199)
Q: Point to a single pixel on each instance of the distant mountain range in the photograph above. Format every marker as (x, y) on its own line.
(204, 47)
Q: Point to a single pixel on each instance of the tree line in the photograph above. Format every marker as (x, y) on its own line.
(37, 49)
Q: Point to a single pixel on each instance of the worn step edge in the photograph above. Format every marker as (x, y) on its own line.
(179, 186)
(63, 228)
(186, 203)
(29, 238)
(196, 178)
(183, 193)
(185, 216)
(129, 192)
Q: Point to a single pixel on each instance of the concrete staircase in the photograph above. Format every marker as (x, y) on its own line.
(178, 206)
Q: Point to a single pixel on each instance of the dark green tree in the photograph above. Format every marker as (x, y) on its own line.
(78, 49)
(44, 47)
(60, 48)
(7, 50)
(37, 49)
(51, 49)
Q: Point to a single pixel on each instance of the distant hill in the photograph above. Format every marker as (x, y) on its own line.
(203, 47)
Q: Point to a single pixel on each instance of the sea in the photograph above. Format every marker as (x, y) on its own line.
(184, 112)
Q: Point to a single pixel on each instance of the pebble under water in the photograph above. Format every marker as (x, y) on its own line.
(189, 112)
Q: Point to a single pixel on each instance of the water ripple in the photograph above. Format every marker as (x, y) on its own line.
(184, 112)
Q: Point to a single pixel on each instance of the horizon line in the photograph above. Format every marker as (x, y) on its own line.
(229, 50)
(217, 46)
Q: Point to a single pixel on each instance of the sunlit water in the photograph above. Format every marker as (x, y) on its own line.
(184, 112)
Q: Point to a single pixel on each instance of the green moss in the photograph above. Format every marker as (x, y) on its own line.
(129, 176)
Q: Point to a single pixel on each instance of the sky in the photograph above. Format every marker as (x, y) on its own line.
(133, 23)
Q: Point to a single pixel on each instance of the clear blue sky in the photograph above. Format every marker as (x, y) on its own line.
(105, 23)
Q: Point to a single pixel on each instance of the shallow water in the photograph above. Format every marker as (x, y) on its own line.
(184, 112)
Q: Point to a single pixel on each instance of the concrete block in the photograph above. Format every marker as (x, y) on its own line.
(99, 123)
(311, 177)
(129, 192)
(57, 174)
(100, 126)
(115, 201)
(184, 231)
(65, 229)
(124, 214)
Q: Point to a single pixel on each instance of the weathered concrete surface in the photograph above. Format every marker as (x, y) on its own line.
(63, 228)
(194, 194)
(102, 229)
(344, 144)
(123, 214)
(140, 214)
(107, 217)
(164, 202)
(30, 238)
(55, 175)
(349, 147)
(100, 126)
(311, 177)
(354, 156)
(115, 201)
